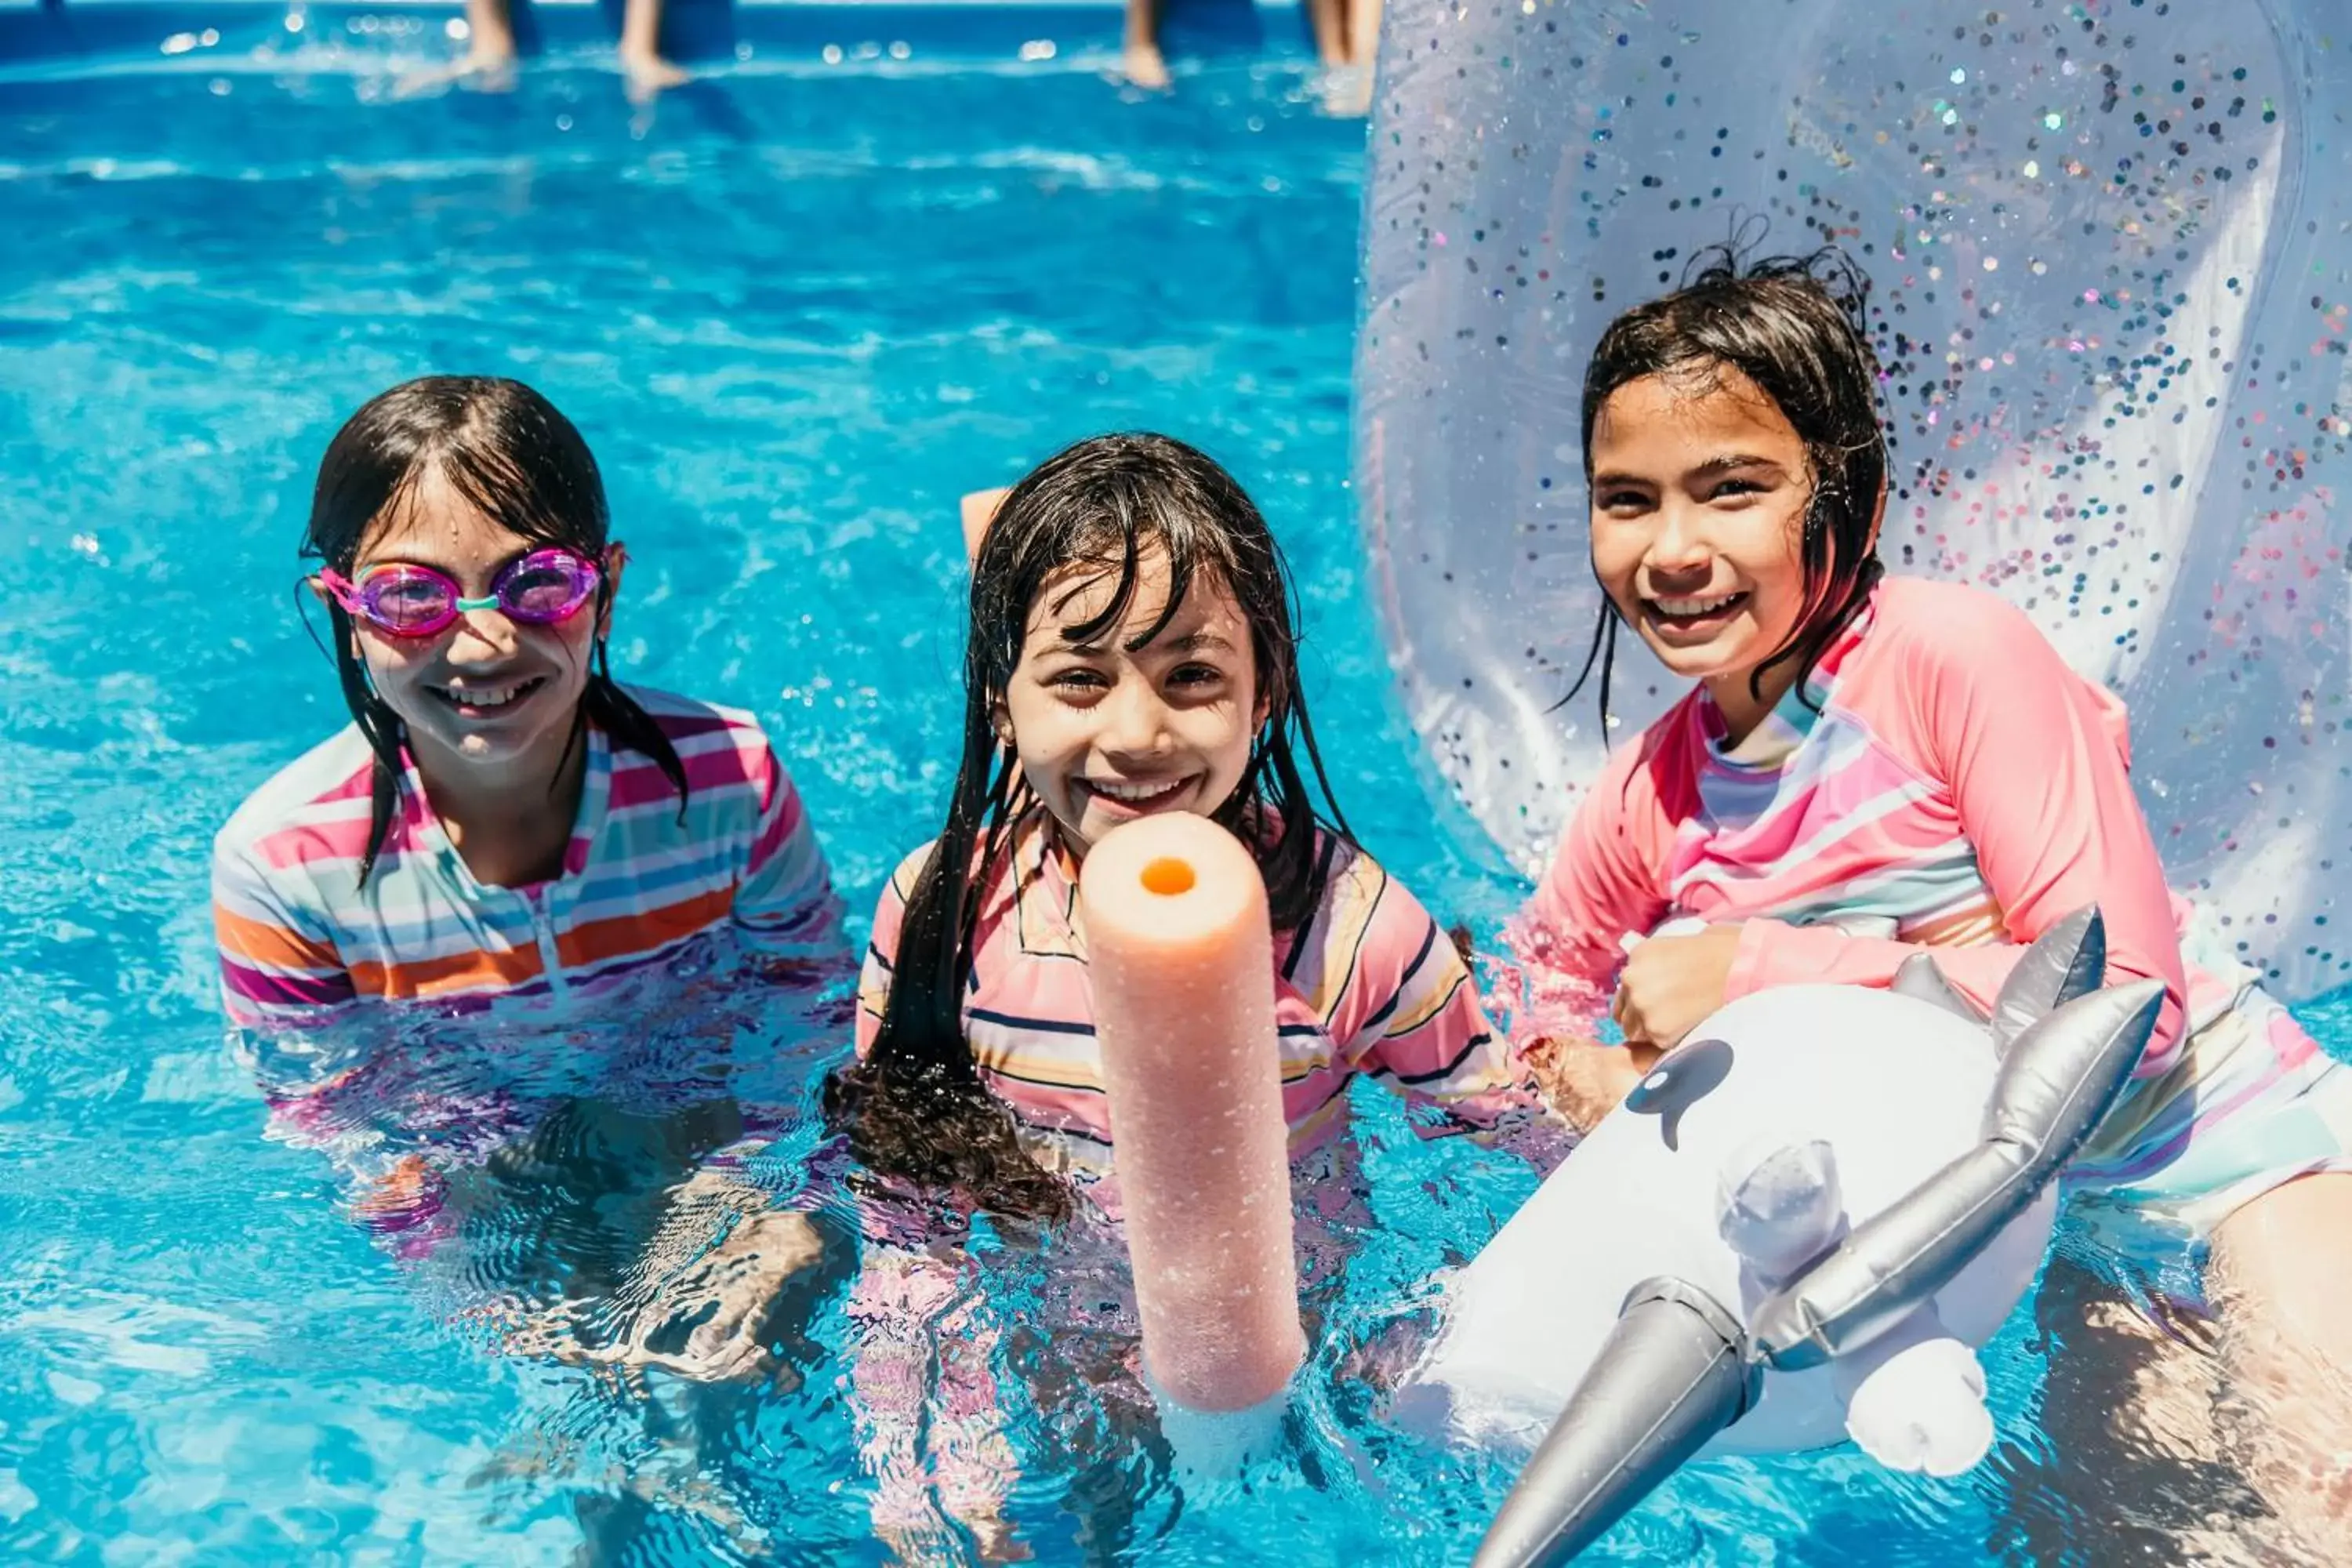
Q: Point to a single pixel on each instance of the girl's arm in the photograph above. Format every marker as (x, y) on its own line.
(279, 963)
(739, 1178)
(786, 907)
(295, 1026)
(1607, 880)
(882, 949)
(2036, 761)
(1408, 1010)
(789, 917)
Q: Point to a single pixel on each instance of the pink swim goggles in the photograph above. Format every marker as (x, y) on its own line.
(410, 601)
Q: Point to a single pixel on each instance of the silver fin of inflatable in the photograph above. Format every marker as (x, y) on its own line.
(1671, 1373)
(1919, 979)
(2070, 960)
(2054, 1086)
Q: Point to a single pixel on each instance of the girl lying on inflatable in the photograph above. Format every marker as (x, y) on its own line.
(1873, 769)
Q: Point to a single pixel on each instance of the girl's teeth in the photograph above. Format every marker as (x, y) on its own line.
(1682, 608)
(485, 698)
(1131, 792)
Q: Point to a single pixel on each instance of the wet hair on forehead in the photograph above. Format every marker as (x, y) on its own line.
(494, 446)
(1133, 513)
(1057, 609)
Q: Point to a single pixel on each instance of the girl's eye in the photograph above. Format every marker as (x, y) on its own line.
(411, 593)
(1736, 488)
(1076, 680)
(1623, 501)
(1196, 675)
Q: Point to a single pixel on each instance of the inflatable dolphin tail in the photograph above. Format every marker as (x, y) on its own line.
(1919, 979)
(1671, 1373)
(2068, 960)
(2054, 1089)
(1677, 1367)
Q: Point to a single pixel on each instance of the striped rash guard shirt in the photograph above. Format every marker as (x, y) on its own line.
(300, 936)
(1939, 781)
(1368, 985)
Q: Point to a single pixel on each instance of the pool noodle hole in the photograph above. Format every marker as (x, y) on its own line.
(1168, 876)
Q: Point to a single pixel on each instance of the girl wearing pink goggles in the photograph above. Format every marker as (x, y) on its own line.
(502, 819)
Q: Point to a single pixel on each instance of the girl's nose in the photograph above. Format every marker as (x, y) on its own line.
(1680, 545)
(1134, 720)
(482, 636)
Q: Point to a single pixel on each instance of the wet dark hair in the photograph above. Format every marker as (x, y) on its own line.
(916, 1108)
(511, 456)
(1797, 327)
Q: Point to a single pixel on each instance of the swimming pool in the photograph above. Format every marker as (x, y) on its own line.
(796, 310)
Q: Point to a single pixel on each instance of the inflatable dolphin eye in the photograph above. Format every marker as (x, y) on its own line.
(2109, 246)
(1682, 1077)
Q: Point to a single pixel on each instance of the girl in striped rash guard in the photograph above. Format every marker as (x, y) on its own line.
(1131, 652)
(503, 827)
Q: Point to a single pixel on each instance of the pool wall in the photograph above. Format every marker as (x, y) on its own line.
(67, 33)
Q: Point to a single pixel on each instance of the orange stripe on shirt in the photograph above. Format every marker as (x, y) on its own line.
(462, 971)
(624, 935)
(274, 946)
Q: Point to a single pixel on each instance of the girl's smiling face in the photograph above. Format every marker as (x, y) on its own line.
(1108, 731)
(487, 700)
(1700, 486)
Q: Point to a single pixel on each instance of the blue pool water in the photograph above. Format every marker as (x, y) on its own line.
(797, 310)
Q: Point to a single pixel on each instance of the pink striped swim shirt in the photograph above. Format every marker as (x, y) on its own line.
(1940, 780)
(1939, 773)
(1368, 985)
(300, 936)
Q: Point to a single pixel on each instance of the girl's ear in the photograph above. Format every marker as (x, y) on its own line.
(999, 719)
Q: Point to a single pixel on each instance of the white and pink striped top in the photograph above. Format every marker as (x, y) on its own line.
(300, 936)
(1940, 775)
(1368, 985)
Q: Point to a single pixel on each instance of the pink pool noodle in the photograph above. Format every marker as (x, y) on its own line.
(1182, 961)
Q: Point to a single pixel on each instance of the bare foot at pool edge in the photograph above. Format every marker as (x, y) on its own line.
(1145, 66)
(648, 74)
(485, 68)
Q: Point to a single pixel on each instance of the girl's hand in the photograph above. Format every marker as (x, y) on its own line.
(1584, 1080)
(722, 1299)
(1671, 982)
(702, 1323)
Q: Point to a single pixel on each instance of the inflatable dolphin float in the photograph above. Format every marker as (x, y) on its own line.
(1794, 1231)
